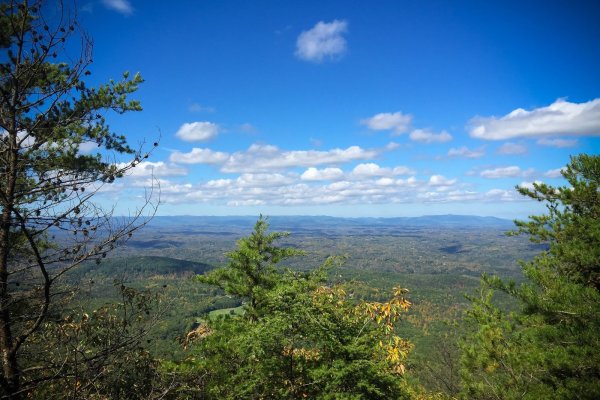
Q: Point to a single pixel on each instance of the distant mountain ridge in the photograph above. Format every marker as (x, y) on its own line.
(289, 222)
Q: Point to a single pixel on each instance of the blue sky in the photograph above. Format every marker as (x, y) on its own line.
(351, 108)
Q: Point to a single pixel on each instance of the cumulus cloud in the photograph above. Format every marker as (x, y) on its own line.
(199, 156)
(554, 173)
(87, 147)
(385, 182)
(159, 168)
(323, 41)
(505, 172)
(560, 143)
(426, 136)
(24, 139)
(397, 122)
(265, 158)
(464, 151)
(440, 180)
(197, 131)
(559, 118)
(403, 171)
(167, 187)
(326, 174)
(120, 6)
(511, 148)
(248, 202)
(368, 170)
(263, 180)
(281, 189)
(501, 195)
(529, 185)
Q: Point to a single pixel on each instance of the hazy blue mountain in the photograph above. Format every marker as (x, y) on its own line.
(292, 223)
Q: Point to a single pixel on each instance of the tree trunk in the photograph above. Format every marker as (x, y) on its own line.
(10, 370)
(10, 381)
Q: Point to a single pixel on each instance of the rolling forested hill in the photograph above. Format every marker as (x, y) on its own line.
(438, 258)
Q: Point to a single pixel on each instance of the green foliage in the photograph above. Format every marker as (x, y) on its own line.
(48, 221)
(300, 338)
(185, 301)
(572, 224)
(551, 347)
(251, 271)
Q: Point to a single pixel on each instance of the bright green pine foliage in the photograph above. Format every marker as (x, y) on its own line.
(299, 338)
(550, 349)
(252, 272)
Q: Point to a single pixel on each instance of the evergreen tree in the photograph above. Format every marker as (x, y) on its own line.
(48, 221)
(550, 348)
(299, 338)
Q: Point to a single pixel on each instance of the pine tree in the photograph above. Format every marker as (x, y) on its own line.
(550, 348)
(300, 337)
(49, 223)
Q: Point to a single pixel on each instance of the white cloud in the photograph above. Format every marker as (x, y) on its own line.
(529, 185)
(87, 147)
(426, 136)
(197, 131)
(323, 41)
(369, 169)
(372, 170)
(440, 180)
(166, 187)
(560, 143)
(199, 156)
(385, 182)
(554, 173)
(501, 195)
(249, 202)
(292, 190)
(159, 168)
(505, 172)
(559, 118)
(24, 139)
(326, 174)
(265, 158)
(120, 6)
(402, 171)
(397, 122)
(511, 148)
(464, 151)
(263, 180)
(219, 183)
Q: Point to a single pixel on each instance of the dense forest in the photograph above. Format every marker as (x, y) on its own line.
(93, 306)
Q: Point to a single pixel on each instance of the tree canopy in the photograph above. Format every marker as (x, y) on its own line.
(299, 337)
(550, 347)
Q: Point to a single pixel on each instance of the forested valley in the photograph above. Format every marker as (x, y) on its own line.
(97, 306)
